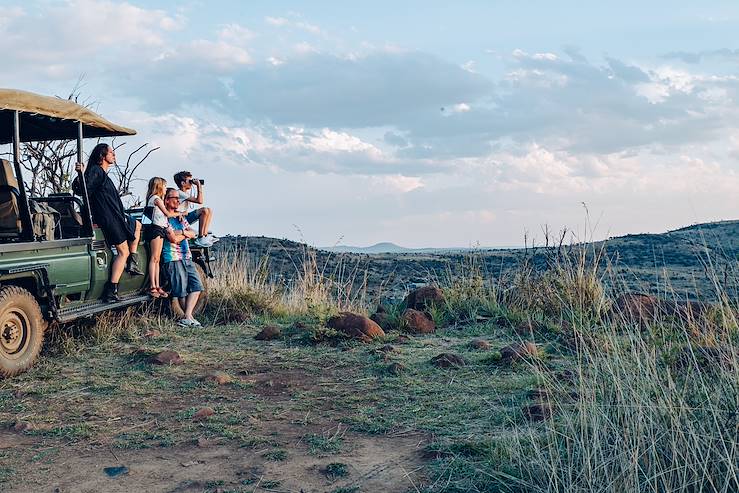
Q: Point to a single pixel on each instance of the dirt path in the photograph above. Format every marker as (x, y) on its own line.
(391, 464)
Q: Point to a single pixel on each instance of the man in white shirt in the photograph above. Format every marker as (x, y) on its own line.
(189, 205)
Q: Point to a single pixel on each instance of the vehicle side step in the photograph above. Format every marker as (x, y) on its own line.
(71, 313)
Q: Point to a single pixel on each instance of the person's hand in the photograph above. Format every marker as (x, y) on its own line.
(196, 183)
(79, 167)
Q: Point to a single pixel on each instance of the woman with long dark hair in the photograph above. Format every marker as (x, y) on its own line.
(120, 229)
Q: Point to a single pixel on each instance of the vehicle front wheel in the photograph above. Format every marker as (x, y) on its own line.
(174, 305)
(21, 330)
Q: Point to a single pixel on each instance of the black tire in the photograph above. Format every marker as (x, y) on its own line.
(174, 305)
(21, 330)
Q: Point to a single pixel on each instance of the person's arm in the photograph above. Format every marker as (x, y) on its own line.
(175, 235)
(94, 179)
(158, 203)
(199, 198)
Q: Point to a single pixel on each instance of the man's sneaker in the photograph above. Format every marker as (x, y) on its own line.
(185, 322)
(213, 239)
(202, 242)
(195, 323)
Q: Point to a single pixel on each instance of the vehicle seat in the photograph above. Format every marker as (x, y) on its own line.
(10, 220)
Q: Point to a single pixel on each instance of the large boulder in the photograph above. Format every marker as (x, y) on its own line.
(381, 318)
(424, 297)
(355, 326)
(417, 322)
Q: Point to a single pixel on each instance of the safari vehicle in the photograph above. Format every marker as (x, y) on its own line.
(54, 261)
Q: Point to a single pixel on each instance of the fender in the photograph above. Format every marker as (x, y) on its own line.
(39, 276)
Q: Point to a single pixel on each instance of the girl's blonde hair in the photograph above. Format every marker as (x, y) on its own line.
(157, 186)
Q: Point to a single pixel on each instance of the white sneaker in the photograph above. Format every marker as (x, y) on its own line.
(184, 322)
(213, 239)
(202, 242)
(194, 323)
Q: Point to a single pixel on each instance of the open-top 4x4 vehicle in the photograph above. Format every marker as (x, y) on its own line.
(54, 261)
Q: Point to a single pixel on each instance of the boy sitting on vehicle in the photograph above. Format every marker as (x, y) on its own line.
(188, 201)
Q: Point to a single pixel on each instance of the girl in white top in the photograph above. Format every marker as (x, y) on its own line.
(157, 231)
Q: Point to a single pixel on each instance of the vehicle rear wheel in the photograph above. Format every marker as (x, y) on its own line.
(21, 330)
(174, 305)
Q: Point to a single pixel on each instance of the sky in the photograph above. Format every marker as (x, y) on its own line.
(425, 124)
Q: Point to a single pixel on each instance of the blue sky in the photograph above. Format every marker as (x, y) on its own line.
(420, 123)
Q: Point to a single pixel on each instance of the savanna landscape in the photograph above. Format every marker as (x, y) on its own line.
(574, 367)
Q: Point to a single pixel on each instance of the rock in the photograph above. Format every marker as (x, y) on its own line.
(269, 333)
(424, 297)
(387, 348)
(218, 377)
(480, 345)
(152, 333)
(204, 442)
(519, 352)
(396, 368)
(417, 322)
(705, 358)
(402, 339)
(539, 411)
(116, 471)
(167, 357)
(383, 320)
(23, 426)
(448, 360)
(530, 327)
(203, 413)
(637, 307)
(356, 326)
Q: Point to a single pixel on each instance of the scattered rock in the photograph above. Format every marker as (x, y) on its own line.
(480, 345)
(382, 319)
(396, 368)
(190, 463)
(167, 357)
(539, 411)
(116, 471)
(705, 358)
(152, 333)
(417, 322)
(402, 339)
(356, 326)
(530, 327)
(203, 413)
(23, 426)
(204, 442)
(424, 297)
(448, 360)
(269, 333)
(637, 307)
(519, 351)
(218, 377)
(387, 348)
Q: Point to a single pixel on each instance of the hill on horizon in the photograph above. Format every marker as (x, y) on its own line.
(685, 261)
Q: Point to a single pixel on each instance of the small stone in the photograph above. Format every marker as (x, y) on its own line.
(480, 345)
(218, 377)
(204, 442)
(167, 357)
(150, 334)
(387, 348)
(448, 360)
(396, 368)
(402, 339)
(23, 426)
(519, 351)
(539, 411)
(269, 333)
(203, 413)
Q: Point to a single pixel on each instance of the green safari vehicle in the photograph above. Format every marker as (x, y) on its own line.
(54, 261)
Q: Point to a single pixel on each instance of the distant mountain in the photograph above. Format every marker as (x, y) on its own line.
(387, 247)
(384, 247)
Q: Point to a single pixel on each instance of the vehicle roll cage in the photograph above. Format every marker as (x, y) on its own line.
(48, 118)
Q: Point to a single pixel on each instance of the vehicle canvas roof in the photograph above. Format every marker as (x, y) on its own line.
(51, 118)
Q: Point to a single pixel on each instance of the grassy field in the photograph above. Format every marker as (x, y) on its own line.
(609, 399)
